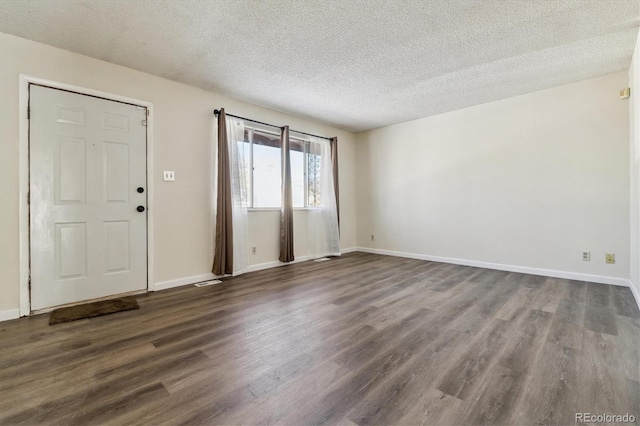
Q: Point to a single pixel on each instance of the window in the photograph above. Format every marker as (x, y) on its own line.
(297, 172)
(267, 170)
(260, 152)
(314, 165)
(305, 173)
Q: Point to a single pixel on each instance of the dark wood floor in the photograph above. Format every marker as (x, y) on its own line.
(362, 339)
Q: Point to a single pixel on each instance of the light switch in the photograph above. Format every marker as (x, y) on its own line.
(169, 175)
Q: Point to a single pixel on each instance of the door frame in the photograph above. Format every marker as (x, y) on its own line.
(24, 172)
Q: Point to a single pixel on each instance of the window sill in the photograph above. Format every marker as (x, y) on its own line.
(264, 209)
(277, 209)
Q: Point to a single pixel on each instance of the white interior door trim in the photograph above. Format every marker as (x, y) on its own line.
(24, 251)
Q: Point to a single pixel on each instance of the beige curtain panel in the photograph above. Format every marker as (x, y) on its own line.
(223, 256)
(286, 213)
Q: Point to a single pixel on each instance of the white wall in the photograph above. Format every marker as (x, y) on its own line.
(184, 215)
(527, 181)
(634, 83)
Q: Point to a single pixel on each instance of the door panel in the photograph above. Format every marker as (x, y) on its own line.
(67, 114)
(70, 170)
(117, 237)
(87, 158)
(71, 250)
(116, 168)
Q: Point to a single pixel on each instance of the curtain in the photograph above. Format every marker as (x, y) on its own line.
(334, 167)
(323, 237)
(231, 219)
(223, 256)
(286, 212)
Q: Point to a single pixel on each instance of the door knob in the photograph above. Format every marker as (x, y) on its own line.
(140, 209)
(140, 189)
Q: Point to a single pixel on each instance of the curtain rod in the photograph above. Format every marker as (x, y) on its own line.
(216, 112)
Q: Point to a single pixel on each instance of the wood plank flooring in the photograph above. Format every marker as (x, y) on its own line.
(362, 339)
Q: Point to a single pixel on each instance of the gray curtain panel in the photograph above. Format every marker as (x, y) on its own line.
(334, 164)
(286, 213)
(223, 257)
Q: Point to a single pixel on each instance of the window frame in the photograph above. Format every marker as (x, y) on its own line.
(306, 148)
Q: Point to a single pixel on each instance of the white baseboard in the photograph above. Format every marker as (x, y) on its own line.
(349, 250)
(275, 264)
(9, 314)
(636, 295)
(163, 285)
(510, 268)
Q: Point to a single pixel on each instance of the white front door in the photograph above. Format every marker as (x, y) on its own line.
(87, 184)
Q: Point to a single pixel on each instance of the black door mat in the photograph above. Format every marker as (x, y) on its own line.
(94, 309)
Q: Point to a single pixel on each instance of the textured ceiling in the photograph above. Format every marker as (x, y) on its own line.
(354, 64)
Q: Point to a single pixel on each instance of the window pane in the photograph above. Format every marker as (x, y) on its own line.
(313, 171)
(267, 180)
(297, 172)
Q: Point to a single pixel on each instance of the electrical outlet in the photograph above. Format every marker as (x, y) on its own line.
(624, 93)
(168, 175)
(373, 238)
(586, 256)
(610, 258)
(254, 250)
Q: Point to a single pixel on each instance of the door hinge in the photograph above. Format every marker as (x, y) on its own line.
(29, 198)
(28, 112)
(144, 123)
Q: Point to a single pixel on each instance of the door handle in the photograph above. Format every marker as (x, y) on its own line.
(140, 209)
(140, 189)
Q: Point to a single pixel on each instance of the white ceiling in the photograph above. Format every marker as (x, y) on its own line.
(354, 64)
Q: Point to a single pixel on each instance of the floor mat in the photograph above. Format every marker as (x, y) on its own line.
(94, 309)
